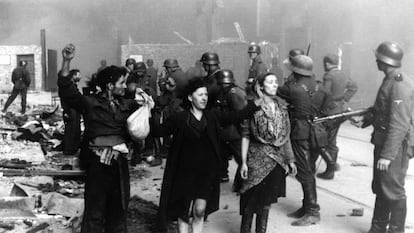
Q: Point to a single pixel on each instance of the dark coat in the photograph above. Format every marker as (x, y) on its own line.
(100, 119)
(339, 89)
(21, 78)
(175, 125)
(181, 81)
(302, 107)
(257, 68)
(232, 98)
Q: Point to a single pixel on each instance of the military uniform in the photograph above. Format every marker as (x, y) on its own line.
(392, 115)
(304, 98)
(213, 88)
(257, 68)
(181, 81)
(339, 89)
(232, 98)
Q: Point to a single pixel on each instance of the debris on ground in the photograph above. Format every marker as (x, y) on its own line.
(40, 188)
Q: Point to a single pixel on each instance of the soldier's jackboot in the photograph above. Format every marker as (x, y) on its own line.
(329, 173)
(299, 212)
(381, 216)
(312, 215)
(246, 221)
(398, 215)
(262, 217)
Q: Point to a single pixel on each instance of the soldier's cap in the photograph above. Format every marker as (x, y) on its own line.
(302, 64)
(331, 58)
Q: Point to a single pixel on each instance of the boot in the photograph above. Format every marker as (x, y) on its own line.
(329, 173)
(312, 208)
(381, 216)
(246, 222)
(261, 220)
(299, 212)
(398, 215)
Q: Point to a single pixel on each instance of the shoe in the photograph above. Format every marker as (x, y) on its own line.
(155, 161)
(329, 174)
(307, 220)
(298, 213)
(337, 167)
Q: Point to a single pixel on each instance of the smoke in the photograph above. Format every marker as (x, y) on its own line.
(99, 27)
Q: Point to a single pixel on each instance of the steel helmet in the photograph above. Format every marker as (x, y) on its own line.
(295, 52)
(254, 48)
(389, 53)
(302, 65)
(171, 63)
(210, 58)
(140, 66)
(130, 61)
(225, 77)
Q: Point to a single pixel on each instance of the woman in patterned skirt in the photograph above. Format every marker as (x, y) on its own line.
(267, 155)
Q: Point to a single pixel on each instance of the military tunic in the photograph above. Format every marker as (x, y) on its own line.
(339, 89)
(257, 68)
(392, 113)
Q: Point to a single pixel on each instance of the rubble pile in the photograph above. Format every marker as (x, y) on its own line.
(41, 190)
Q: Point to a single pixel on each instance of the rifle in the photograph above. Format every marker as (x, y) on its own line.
(309, 47)
(358, 112)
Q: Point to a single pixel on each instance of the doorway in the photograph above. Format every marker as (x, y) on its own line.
(29, 58)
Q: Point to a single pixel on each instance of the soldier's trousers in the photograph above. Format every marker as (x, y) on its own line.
(390, 203)
(12, 97)
(106, 196)
(332, 148)
(390, 184)
(305, 163)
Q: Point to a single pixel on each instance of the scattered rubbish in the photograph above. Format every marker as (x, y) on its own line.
(225, 207)
(38, 227)
(357, 212)
(17, 191)
(7, 226)
(357, 164)
(341, 215)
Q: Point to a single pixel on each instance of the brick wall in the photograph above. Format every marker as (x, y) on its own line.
(232, 56)
(6, 69)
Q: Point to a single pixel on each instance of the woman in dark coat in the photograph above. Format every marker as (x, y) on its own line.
(191, 185)
(266, 155)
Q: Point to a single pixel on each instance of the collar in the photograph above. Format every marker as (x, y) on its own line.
(393, 73)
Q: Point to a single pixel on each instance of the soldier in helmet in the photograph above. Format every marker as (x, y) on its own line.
(138, 79)
(211, 64)
(339, 89)
(292, 53)
(257, 67)
(303, 97)
(129, 65)
(231, 98)
(391, 118)
(174, 71)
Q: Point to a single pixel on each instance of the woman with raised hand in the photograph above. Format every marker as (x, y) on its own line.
(267, 155)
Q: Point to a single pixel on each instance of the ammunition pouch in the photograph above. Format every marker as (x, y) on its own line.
(318, 136)
(410, 142)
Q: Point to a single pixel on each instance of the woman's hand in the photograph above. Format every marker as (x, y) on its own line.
(243, 171)
(293, 169)
(68, 53)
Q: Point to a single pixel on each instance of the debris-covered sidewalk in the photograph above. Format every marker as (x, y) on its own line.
(41, 190)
